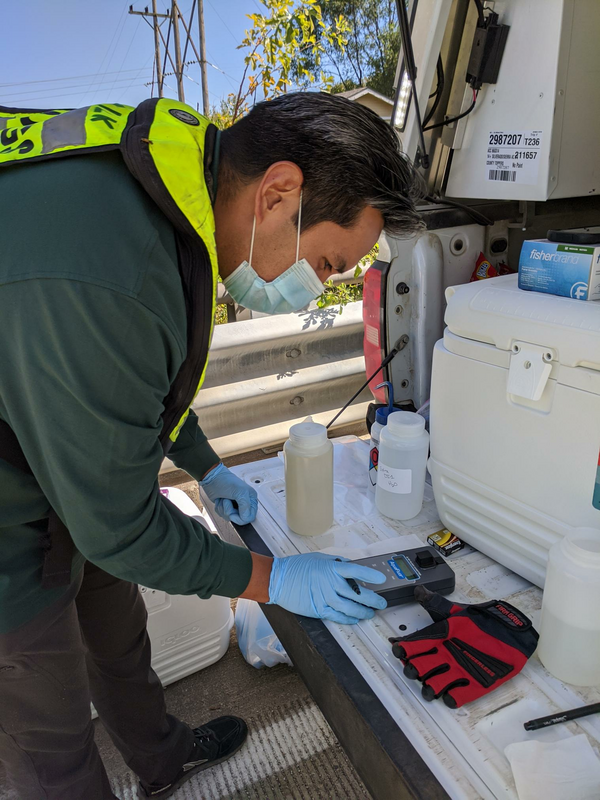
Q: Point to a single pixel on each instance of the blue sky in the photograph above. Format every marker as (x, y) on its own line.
(102, 53)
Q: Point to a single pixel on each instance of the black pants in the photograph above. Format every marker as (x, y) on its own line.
(91, 645)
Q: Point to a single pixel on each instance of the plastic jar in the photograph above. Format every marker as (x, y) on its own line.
(569, 645)
(403, 450)
(308, 460)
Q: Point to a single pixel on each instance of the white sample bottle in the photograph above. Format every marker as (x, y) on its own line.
(308, 460)
(569, 645)
(403, 451)
(381, 418)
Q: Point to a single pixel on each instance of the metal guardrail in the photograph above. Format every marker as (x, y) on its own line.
(265, 374)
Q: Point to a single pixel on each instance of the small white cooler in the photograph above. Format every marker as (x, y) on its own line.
(187, 633)
(515, 420)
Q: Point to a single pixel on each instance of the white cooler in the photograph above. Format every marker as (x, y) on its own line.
(187, 633)
(515, 420)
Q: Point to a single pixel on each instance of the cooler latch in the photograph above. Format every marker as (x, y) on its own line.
(529, 370)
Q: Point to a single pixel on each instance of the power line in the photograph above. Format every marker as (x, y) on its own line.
(187, 41)
(121, 23)
(127, 88)
(68, 78)
(216, 96)
(129, 48)
(187, 64)
(66, 94)
(170, 88)
(131, 85)
(50, 90)
(230, 78)
(233, 36)
(166, 74)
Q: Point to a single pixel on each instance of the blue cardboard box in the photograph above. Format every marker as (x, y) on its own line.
(566, 270)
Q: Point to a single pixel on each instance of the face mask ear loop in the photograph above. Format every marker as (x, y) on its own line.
(299, 226)
(252, 241)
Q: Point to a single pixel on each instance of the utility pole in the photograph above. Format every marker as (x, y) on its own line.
(159, 75)
(205, 100)
(157, 34)
(171, 49)
(178, 65)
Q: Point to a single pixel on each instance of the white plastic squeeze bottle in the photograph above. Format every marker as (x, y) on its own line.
(403, 451)
(381, 418)
(569, 644)
(308, 459)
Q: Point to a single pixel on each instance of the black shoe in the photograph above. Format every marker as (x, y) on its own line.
(215, 742)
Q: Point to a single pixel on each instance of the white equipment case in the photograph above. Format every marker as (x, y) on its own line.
(187, 633)
(533, 134)
(515, 420)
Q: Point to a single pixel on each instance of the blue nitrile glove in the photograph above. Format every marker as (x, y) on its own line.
(225, 489)
(315, 585)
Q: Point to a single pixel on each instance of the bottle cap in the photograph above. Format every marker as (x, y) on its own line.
(406, 424)
(382, 414)
(308, 435)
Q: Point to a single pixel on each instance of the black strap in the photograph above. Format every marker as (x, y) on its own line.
(57, 543)
(192, 257)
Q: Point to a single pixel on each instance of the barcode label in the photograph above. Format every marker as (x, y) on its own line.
(513, 157)
(502, 175)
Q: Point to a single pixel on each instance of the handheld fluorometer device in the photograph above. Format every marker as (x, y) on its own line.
(407, 569)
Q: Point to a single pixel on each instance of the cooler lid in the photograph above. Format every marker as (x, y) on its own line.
(496, 312)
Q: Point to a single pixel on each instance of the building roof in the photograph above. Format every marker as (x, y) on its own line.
(361, 91)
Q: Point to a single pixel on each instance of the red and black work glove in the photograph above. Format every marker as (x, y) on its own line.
(468, 651)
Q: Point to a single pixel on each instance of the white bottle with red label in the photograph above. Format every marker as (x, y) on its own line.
(403, 451)
(381, 417)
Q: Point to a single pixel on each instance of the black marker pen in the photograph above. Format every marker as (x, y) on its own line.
(561, 716)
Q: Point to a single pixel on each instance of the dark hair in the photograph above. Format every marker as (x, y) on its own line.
(350, 158)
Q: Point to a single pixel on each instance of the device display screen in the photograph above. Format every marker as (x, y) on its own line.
(409, 572)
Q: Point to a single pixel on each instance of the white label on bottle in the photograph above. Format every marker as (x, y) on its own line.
(394, 480)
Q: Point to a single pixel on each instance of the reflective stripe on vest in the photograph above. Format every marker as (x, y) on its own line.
(35, 134)
(162, 143)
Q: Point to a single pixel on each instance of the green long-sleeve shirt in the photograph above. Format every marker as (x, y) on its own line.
(92, 333)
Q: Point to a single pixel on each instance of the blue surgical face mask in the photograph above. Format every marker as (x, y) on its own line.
(290, 291)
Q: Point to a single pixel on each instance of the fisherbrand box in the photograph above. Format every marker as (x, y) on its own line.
(567, 270)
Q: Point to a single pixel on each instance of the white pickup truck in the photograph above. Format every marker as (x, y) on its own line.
(502, 113)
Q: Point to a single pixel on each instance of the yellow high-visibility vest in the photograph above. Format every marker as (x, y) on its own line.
(163, 143)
